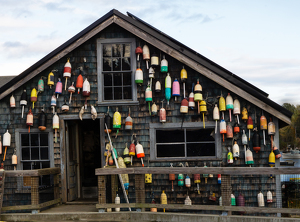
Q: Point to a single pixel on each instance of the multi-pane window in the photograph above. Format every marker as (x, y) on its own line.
(170, 142)
(116, 63)
(35, 151)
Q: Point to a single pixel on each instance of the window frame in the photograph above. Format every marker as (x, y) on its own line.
(18, 133)
(177, 126)
(100, 77)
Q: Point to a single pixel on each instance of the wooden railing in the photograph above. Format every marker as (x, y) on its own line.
(34, 175)
(224, 171)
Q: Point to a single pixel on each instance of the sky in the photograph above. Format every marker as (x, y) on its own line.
(258, 40)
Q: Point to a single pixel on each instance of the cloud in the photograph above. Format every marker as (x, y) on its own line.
(51, 6)
(12, 44)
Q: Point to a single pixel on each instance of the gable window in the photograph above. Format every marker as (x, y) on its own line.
(35, 151)
(116, 68)
(172, 142)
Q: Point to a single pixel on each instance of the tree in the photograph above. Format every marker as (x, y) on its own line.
(290, 134)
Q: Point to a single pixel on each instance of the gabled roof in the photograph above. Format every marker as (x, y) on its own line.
(5, 79)
(165, 43)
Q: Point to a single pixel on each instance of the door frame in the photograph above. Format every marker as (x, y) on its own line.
(63, 148)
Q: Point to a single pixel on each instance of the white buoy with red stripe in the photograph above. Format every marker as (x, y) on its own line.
(12, 102)
(139, 152)
(216, 116)
(67, 72)
(86, 91)
(6, 142)
(162, 114)
(128, 121)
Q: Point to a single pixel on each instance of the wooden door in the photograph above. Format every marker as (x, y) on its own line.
(72, 160)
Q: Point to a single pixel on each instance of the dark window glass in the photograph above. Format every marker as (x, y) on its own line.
(108, 79)
(127, 79)
(118, 79)
(35, 154)
(199, 135)
(127, 93)
(25, 154)
(46, 164)
(44, 154)
(25, 140)
(44, 139)
(172, 150)
(117, 93)
(36, 165)
(169, 136)
(200, 149)
(27, 166)
(34, 139)
(108, 93)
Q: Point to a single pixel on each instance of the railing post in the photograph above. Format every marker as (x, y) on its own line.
(226, 191)
(140, 189)
(56, 186)
(101, 191)
(35, 192)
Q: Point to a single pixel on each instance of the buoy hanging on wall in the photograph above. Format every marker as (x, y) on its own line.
(117, 121)
(229, 105)
(53, 103)
(237, 109)
(33, 97)
(146, 55)
(86, 91)
(58, 88)
(29, 120)
(168, 85)
(138, 51)
(128, 121)
(12, 102)
(50, 81)
(79, 82)
(71, 90)
(6, 142)
(216, 116)
(140, 152)
(162, 114)
(67, 72)
(55, 125)
(41, 85)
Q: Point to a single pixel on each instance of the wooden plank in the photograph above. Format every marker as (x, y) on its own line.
(226, 191)
(48, 171)
(63, 161)
(201, 69)
(58, 56)
(56, 186)
(140, 188)
(2, 188)
(201, 170)
(203, 207)
(20, 207)
(22, 173)
(49, 203)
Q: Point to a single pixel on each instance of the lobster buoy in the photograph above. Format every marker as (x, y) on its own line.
(12, 102)
(163, 199)
(168, 85)
(146, 55)
(223, 127)
(41, 85)
(42, 121)
(237, 109)
(229, 104)
(256, 141)
(236, 128)
(58, 88)
(260, 199)
(65, 107)
(154, 60)
(154, 109)
(249, 125)
(86, 91)
(153, 209)
(219, 178)
(23, 101)
(205, 176)
(269, 197)
(29, 120)
(126, 155)
(203, 110)
(176, 89)
(55, 125)
(198, 94)
(183, 78)
(157, 86)
(33, 97)
(53, 103)
(6, 142)
(191, 99)
(187, 181)
(272, 159)
(229, 132)
(50, 81)
(124, 177)
(128, 122)
(132, 151)
(71, 90)
(236, 150)
(244, 114)
(187, 200)
(162, 114)
(139, 76)
(117, 201)
(117, 121)
(233, 201)
(180, 180)
(164, 65)
(249, 157)
(197, 181)
(216, 116)
(229, 156)
(140, 152)
(67, 72)
(79, 82)
(222, 105)
(148, 95)
(263, 126)
(107, 121)
(138, 51)
(151, 74)
(172, 178)
(184, 108)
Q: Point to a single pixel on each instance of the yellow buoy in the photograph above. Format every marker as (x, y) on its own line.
(163, 199)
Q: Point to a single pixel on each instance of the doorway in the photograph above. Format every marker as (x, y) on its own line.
(83, 157)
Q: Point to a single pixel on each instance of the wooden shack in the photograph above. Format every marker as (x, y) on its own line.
(104, 54)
